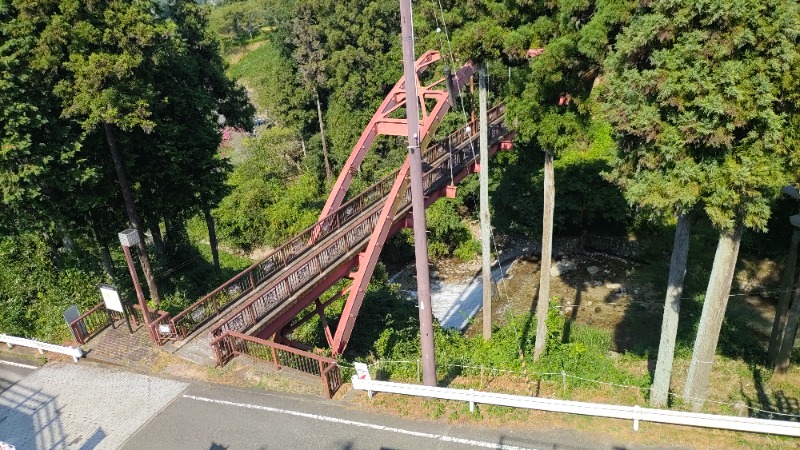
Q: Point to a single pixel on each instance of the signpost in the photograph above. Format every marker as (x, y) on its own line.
(362, 372)
(113, 302)
(128, 239)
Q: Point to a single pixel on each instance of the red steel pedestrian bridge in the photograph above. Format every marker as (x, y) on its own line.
(253, 312)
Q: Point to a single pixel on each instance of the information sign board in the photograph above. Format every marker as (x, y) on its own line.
(111, 298)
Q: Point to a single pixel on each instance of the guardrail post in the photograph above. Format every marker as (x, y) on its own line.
(472, 403)
(564, 382)
(637, 414)
(275, 358)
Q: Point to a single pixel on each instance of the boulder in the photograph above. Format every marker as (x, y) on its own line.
(562, 267)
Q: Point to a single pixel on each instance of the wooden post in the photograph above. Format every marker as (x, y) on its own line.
(484, 207)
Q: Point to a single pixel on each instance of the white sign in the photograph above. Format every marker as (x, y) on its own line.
(362, 371)
(111, 297)
(164, 329)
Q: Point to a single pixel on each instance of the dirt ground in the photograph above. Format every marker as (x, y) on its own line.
(608, 292)
(626, 298)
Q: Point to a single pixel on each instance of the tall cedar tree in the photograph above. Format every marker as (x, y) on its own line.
(310, 59)
(194, 96)
(696, 95)
(38, 169)
(552, 108)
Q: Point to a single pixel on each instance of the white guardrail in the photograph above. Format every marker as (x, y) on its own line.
(11, 341)
(634, 413)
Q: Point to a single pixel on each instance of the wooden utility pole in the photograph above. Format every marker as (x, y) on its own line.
(484, 205)
(417, 199)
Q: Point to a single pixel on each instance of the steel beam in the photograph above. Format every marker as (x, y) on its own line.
(382, 123)
(368, 260)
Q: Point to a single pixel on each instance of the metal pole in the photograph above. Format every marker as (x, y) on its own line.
(136, 285)
(417, 199)
(127, 319)
(484, 207)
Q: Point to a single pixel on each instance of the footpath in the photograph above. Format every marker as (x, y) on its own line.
(121, 384)
(64, 405)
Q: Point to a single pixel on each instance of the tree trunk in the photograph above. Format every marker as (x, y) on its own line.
(486, 269)
(716, 301)
(108, 263)
(66, 239)
(212, 236)
(172, 235)
(779, 324)
(105, 253)
(303, 145)
(789, 334)
(158, 240)
(328, 173)
(547, 253)
(659, 394)
(133, 215)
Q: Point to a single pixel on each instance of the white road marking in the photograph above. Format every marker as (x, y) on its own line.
(373, 426)
(16, 364)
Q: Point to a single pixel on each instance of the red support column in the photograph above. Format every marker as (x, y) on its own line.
(367, 265)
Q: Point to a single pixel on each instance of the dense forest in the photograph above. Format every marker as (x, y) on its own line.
(216, 129)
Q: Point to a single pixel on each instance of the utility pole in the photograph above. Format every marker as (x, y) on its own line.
(484, 206)
(417, 199)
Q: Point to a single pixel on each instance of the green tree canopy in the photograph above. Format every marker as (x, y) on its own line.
(697, 97)
(697, 93)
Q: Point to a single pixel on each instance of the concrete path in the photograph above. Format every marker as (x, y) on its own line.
(80, 406)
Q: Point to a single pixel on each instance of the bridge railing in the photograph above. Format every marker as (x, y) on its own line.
(245, 282)
(282, 288)
(233, 343)
(92, 322)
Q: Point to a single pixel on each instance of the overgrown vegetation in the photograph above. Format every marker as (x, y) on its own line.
(36, 291)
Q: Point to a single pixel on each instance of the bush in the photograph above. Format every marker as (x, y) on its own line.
(273, 198)
(447, 231)
(35, 290)
(467, 250)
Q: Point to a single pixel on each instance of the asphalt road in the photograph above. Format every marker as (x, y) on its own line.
(13, 370)
(217, 418)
